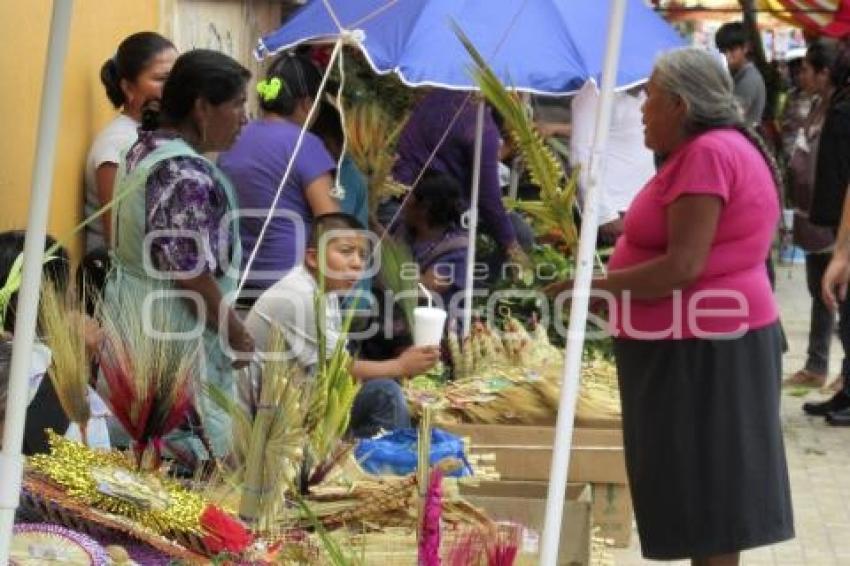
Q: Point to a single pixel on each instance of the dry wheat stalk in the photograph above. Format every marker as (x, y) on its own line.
(64, 325)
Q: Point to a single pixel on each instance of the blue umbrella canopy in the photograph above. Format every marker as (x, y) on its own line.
(541, 46)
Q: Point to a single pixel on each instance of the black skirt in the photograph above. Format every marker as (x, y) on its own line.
(703, 443)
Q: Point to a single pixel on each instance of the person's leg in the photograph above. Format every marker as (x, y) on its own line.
(379, 405)
(836, 408)
(844, 335)
(822, 321)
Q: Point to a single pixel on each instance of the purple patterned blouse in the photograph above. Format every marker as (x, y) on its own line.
(183, 193)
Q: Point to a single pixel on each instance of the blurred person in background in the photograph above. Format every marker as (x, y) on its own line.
(733, 41)
(447, 119)
(832, 176)
(816, 241)
(797, 102)
(628, 162)
(257, 162)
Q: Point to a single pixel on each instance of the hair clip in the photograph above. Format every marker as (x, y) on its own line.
(269, 89)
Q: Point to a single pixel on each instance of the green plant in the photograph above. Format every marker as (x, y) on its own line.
(554, 211)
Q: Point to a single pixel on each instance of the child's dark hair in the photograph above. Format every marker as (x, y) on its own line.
(134, 55)
(328, 124)
(731, 35)
(325, 223)
(56, 270)
(200, 73)
(439, 194)
(820, 55)
(299, 78)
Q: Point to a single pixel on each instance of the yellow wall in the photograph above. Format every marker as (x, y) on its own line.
(97, 27)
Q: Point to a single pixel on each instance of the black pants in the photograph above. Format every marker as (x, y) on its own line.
(821, 319)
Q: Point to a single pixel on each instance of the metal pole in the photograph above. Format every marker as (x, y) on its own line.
(11, 460)
(473, 219)
(581, 294)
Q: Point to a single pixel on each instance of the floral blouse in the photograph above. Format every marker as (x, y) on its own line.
(183, 194)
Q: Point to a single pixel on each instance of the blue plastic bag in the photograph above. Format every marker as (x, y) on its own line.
(396, 453)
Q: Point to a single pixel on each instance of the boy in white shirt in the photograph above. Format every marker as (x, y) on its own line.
(290, 305)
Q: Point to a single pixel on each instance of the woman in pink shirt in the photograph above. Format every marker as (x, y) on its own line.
(696, 326)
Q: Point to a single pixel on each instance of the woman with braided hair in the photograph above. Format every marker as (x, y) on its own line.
(175, 231)
(256, 165)
(697, 340)
(832, 177)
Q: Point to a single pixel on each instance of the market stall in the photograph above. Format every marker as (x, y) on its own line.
(292, 491)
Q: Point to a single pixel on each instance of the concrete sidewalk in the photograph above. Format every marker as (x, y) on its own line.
(818, 457)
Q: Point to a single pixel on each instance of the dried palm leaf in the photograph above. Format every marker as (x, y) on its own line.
(268, 445)
(149, 379)
(555, 208)
(371, 140)
(395, 257)
(64, 325)
(334, 388)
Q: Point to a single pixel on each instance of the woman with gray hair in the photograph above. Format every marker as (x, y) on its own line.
(697, 339)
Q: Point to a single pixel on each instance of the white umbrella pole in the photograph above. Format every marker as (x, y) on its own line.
(473, 220)
(11, 460)
(580, 299)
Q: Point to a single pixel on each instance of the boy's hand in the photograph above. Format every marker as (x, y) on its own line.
(418, 359)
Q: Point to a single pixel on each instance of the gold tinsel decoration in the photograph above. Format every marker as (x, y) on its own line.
(108, 481)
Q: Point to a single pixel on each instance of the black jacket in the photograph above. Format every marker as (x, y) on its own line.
(832, 174)
(44, 412)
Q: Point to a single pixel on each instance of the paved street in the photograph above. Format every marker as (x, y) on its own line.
(818, 458)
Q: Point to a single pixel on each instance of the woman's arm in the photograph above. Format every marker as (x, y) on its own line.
(549, 129)
(104, 180)
(206, 288)
(179, 199)
(319, 197)
(491, 209)
(691, 225)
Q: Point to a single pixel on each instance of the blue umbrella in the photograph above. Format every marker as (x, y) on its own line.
(542, 46)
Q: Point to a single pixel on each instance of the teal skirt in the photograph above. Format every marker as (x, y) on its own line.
(214, 366)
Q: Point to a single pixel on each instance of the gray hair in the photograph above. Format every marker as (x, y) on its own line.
(705, 86)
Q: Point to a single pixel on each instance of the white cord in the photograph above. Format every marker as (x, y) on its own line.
(341, 110)
(290, 165)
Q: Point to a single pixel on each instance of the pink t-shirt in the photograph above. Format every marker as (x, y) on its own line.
(732, 294)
